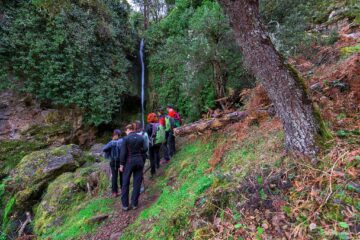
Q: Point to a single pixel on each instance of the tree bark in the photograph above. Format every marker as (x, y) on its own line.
(210, 124)
(219, 79)
(284, 87)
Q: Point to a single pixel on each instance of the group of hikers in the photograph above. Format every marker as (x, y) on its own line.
(128, 155)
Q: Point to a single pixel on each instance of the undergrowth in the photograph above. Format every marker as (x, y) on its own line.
(76, 224)
(168, 216)
(256, 191)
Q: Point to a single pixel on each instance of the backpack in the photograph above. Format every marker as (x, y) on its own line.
(158, 134)
(177, 120)
(169, 123)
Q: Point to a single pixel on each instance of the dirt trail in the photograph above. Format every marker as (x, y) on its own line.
(119, 220)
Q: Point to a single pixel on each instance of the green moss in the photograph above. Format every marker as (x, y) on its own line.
(46, 132)
(346, 51)
(75, 224)
(170, 213)
(12, 151)
(324, 132)
(66, 195)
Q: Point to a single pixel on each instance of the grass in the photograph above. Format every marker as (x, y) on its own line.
(168, 216)
(187, 182)
(346, 51)
(76, 224)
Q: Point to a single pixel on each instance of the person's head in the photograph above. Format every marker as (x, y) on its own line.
(152, 118)
(130, 128)
(169, 107)
(138, 126)
(161, 111)
(172, 113)
(116, 134)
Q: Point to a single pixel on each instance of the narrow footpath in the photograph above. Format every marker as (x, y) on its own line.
(119, 219)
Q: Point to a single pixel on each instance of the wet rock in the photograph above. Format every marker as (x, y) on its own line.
(22, 117)
(36, 170)
(98, 219)
(96, 151)
(66, 193)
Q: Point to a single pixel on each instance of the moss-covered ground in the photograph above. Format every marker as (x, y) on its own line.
(255, 191)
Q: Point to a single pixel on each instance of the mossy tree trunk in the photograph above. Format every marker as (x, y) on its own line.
(284, 87)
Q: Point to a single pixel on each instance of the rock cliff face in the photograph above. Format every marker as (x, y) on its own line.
(22, 117)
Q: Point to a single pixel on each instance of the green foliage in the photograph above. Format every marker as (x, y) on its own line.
(190, 50)
(289, 22)
(346, 51)
(68, 53)
(6, 216)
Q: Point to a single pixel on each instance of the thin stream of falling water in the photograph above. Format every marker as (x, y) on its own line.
(142, 82)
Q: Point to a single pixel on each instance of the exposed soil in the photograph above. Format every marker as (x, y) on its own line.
(119, 220)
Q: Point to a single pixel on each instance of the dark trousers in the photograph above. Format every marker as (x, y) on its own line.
(154, 153)
(164, 148)
(115, 176)
(133, 167)
(171, 143)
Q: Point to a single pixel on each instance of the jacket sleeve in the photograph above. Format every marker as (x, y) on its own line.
(107, 147)
(146, 142)
(123, 152)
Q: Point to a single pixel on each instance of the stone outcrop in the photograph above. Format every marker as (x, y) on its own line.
(66, 192)
(36, 170)
(22, 117)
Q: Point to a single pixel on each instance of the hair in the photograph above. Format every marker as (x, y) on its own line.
(152, 118)
(131, 127)
(138, 126)
(117, 132)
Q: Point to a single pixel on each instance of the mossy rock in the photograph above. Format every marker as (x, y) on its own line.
(32, 175)
(49, 133)
(12, 151)
(65, 194)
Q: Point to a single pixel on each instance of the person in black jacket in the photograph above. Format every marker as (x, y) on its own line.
(132, 163)
(112, 152)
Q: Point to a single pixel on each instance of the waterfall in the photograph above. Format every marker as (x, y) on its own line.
(142, 82)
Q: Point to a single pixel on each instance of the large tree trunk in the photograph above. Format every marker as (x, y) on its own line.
(283, 85)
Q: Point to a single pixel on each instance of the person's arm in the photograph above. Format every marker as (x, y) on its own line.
(107, 147)
(146, 142)
(123, 154)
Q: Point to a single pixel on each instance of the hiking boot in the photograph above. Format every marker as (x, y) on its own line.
(134, 207)
(142, 189)
(125, 208)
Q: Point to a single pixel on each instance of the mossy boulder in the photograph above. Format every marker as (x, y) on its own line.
(65, 194)
(12, 151)
(36, 170)
(52, 134)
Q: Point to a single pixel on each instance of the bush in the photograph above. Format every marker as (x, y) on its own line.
(68, 53)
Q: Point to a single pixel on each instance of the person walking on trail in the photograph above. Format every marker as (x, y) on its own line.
(144, 134)
(112, 152)
(157, 137)
(172, 120)
(164, 149)
(132, 164)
